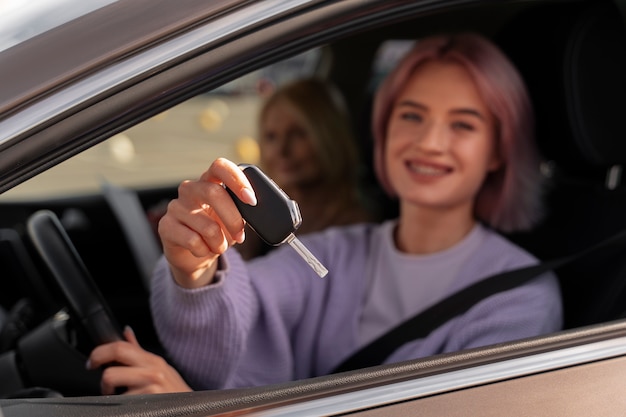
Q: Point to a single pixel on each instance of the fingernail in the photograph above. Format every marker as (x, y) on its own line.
(248, 196)
(88, 365)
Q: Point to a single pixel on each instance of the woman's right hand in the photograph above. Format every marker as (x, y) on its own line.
(203, 222)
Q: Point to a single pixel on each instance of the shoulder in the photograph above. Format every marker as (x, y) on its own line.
(537, 300)
(503, 252)
(499, 254)
(494, 255)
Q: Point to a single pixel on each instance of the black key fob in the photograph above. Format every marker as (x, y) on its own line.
(275, 217)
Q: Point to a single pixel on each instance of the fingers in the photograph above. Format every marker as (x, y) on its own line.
(129, 334)
(223, 171)
(125, 353)
(134, 380)
(157, 378)
(207, 209)
(133, 368)
(204, 219)
(226, 174)
(203, 222)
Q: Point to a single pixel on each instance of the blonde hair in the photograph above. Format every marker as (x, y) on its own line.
(326, 119)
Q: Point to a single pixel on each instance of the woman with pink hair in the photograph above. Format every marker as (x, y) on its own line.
(509, 198)
(453, 143)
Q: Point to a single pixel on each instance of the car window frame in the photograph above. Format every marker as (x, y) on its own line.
(95, 114)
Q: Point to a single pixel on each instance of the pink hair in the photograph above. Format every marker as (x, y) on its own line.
(510, 198)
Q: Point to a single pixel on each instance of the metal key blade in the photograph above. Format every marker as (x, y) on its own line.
(307, 255)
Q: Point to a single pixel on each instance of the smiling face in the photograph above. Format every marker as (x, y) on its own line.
(288, 154)
(440, 139)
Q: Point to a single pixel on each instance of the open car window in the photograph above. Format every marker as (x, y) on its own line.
(178, 143)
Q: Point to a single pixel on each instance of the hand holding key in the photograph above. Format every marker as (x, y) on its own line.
(275, 217)
(204, 221)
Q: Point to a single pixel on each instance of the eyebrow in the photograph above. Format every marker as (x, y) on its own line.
(468, 111)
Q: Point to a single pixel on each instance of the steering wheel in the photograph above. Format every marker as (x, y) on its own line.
(52, 355)
(82, 297)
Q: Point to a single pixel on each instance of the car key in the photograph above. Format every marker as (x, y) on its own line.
(276, 217)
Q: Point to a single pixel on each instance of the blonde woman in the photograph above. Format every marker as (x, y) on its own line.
(308, 149)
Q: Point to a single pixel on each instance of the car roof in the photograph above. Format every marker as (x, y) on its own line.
(72, 45)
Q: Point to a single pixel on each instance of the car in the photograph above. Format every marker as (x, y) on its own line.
(106, 106)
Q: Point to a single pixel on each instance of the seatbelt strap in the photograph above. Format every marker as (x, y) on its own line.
(423, 323)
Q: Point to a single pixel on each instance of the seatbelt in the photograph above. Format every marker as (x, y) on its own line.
(423, 323)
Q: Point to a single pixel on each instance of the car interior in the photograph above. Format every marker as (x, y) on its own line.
(571, 55)
(577, 85)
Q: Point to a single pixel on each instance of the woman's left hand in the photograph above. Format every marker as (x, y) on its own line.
(131, 367)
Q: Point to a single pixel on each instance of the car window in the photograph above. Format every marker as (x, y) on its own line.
(176, 144)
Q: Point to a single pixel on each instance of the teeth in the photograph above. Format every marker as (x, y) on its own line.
(427, 170)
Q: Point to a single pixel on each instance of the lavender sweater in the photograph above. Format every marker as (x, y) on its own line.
(273, 319)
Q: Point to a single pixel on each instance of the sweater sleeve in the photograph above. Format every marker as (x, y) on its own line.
(239, 330)
(203, 330)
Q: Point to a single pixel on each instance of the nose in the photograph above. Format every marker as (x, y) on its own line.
(433, 137)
